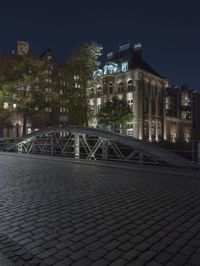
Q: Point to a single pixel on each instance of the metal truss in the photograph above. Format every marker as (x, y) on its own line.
(95, 144)
(82, 146)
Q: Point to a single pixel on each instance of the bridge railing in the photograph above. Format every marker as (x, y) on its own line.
(89, 143)
(191, 151)
(89, 147)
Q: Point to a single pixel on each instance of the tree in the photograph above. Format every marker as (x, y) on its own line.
(78, 72)
(115, 113)
(23, 82)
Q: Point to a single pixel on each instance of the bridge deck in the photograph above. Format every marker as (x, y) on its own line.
(61, 213)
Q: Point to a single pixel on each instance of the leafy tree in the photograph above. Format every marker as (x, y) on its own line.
(78, 72)
(115, 113)
(23, 82)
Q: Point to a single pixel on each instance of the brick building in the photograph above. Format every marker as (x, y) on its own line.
(160, 112)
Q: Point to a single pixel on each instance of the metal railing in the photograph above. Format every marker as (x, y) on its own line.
(96, 144)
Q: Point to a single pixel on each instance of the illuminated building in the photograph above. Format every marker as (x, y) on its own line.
(160, 112)
(127, 75)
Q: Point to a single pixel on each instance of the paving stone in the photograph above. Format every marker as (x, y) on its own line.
(60, 213)
(100, 262)
(118, 262)
(180, 259)
(194, 260)
(154, 263)
(113, 255)
(158, 247)
(136, 262)
(97, 254)
(148, 255)
(79, 254)
(163, 257)
(85, 262)
(126, 246)
(60, 255)
(50, 261)
(130, 255)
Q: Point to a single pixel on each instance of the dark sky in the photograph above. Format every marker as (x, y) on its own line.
(169, 30)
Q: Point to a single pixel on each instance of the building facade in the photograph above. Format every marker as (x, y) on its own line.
(45, 104)
(160, 112)
(126, 75)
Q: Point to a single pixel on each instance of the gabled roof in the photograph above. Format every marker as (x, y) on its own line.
(134, 60)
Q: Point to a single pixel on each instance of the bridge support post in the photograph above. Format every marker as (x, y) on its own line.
(104, 150)
(76, 146)
(51, 145)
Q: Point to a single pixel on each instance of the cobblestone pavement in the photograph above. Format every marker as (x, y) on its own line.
(60, 213)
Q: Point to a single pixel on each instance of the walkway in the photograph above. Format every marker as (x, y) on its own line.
(64, 213)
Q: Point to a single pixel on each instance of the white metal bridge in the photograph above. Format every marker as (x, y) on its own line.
(95, 144)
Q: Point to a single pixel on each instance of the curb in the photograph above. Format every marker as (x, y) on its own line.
(192, 173)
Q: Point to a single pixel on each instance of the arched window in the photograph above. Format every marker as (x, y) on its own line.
(99, 92)
(130, 103)
(130, 85)
(120, 87)
(110, 88)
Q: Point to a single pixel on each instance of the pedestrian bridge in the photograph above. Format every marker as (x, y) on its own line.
(95, 144)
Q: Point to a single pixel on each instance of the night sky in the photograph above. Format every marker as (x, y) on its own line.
(168, 30)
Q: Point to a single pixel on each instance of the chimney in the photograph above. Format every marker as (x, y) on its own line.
(22, 48)
(138, 49)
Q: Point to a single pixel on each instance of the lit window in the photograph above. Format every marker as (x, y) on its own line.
(99, 91)
(186, 115)
(187, 137)
(98, 107)
(48, 109)
(120, 88)
(76, 77)
(98, 101)
(130, 103)
(92, 104)
(130, 132)
(130, 85)
(5, 105)
(110, 68)
(124, 66)
(173, 136)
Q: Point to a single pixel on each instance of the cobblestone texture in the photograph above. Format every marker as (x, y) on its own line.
(60, 213)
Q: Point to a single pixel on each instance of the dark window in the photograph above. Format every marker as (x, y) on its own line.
(130, 85)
